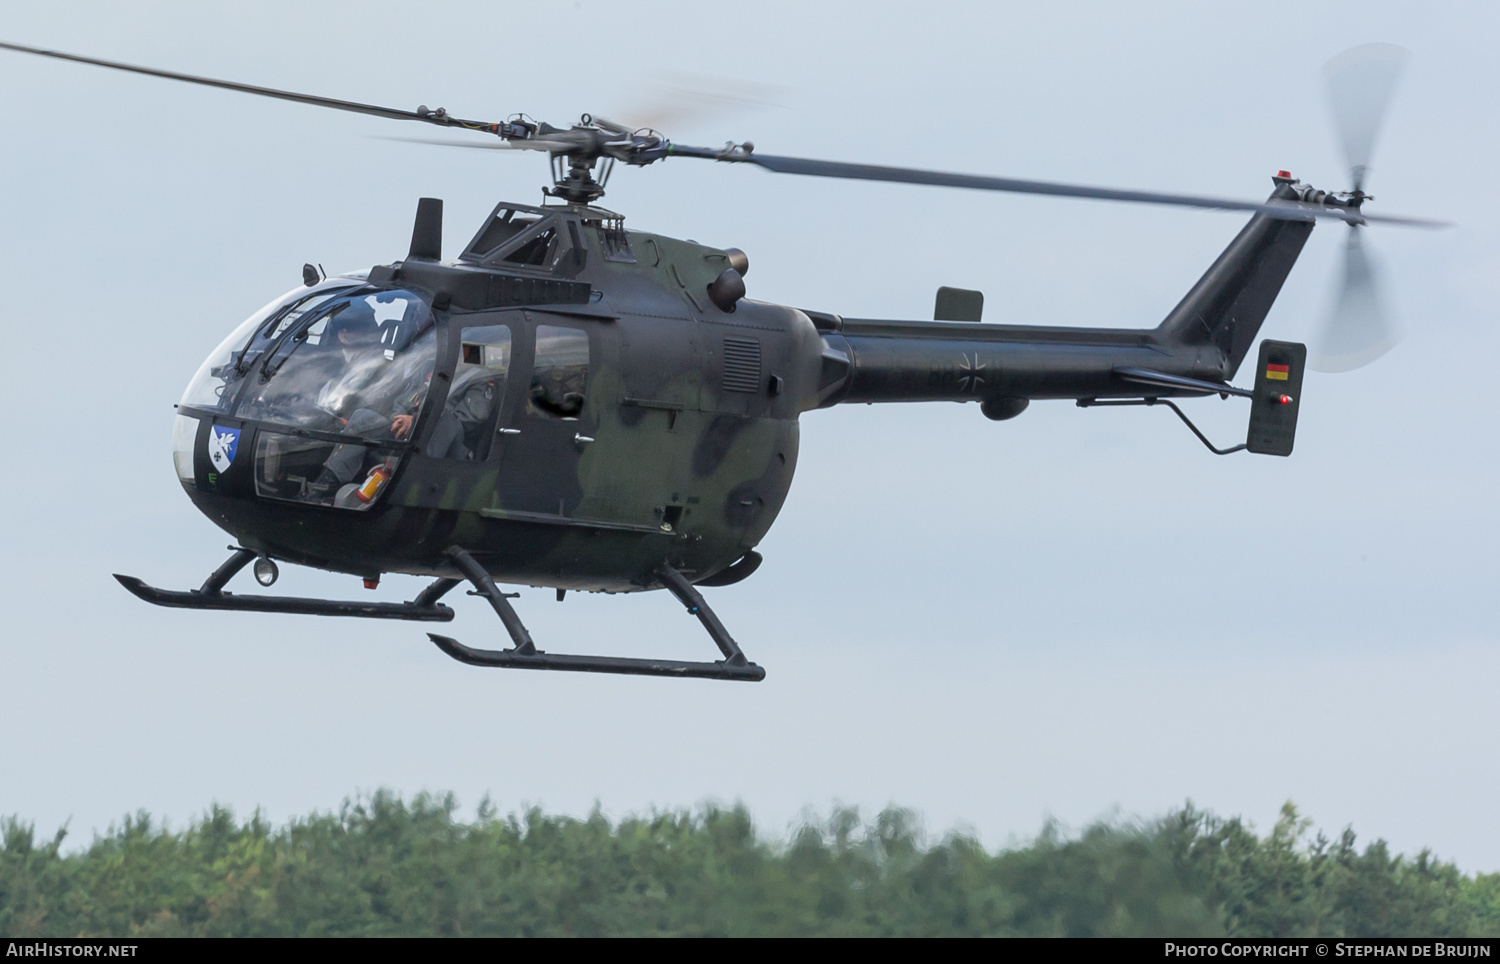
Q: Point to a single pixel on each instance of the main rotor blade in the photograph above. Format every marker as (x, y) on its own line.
(540, 142)
(1358, 330)
(1292, 210)
(1360, 84)
(453, 142)
(431, 117)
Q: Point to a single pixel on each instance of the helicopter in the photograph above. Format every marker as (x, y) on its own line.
(574, 405)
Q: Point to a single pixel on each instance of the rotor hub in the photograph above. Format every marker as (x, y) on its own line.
(573, 177)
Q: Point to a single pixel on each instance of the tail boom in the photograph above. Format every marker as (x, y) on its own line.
(1203, 340)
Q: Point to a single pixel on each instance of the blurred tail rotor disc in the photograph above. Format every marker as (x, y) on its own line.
(1358, 330)
(1360, 85)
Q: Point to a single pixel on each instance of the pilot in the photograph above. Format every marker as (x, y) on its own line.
(447, 437)
(355, 334)
(382, 395)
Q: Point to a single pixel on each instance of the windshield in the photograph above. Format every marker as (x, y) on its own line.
(358, 364)
(211, 387)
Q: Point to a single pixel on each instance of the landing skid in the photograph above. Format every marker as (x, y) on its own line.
(525, 655)
(212, 596)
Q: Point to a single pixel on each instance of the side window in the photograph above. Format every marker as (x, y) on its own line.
(560, 374)
(537, 251)
(473, 401)
(506, 224)
(519, 239)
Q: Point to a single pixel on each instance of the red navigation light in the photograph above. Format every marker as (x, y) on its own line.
(1283, 173)
(375, 583)
(1284, 399)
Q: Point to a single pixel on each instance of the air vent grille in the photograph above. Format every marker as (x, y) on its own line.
(741, 365)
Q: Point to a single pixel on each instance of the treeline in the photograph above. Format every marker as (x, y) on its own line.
(383, 866)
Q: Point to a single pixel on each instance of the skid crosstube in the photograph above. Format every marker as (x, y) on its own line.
(525, 655)
(212, 596)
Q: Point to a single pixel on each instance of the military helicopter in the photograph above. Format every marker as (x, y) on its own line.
(572, 404)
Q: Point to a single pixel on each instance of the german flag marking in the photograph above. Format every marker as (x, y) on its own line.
(1279, 372)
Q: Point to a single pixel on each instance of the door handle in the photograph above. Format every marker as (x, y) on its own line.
(581, 439)
(507, 431)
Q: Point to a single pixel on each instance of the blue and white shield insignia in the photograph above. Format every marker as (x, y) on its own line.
(222, 443)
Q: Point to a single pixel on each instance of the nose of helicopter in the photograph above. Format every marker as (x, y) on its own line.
(184, 435)
(200, 456)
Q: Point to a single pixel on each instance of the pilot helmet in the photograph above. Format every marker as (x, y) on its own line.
(353, 325)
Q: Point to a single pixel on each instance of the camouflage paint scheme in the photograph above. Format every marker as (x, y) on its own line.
(559, 513)
(682, 454)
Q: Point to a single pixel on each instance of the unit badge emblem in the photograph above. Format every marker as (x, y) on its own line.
(222, 443)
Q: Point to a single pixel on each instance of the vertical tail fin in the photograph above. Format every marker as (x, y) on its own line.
(1228, 304)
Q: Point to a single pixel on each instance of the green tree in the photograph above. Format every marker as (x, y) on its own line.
(385, 866)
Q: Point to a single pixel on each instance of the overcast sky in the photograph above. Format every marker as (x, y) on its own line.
(1075, 613)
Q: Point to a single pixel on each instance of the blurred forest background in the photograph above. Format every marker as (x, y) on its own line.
(383, 866)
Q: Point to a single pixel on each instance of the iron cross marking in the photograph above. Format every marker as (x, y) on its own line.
(971, 377)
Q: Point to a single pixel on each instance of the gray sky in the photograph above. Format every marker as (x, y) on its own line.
(1076, 614)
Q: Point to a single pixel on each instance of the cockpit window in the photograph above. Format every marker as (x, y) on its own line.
(353, 375)
(358, 365)
(535, 251)
(212, 386)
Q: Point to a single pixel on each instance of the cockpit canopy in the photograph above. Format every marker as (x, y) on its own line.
(336, 375)
(355, 358)
(317, 355)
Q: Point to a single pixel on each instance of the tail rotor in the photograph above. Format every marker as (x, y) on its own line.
(1359, 328)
